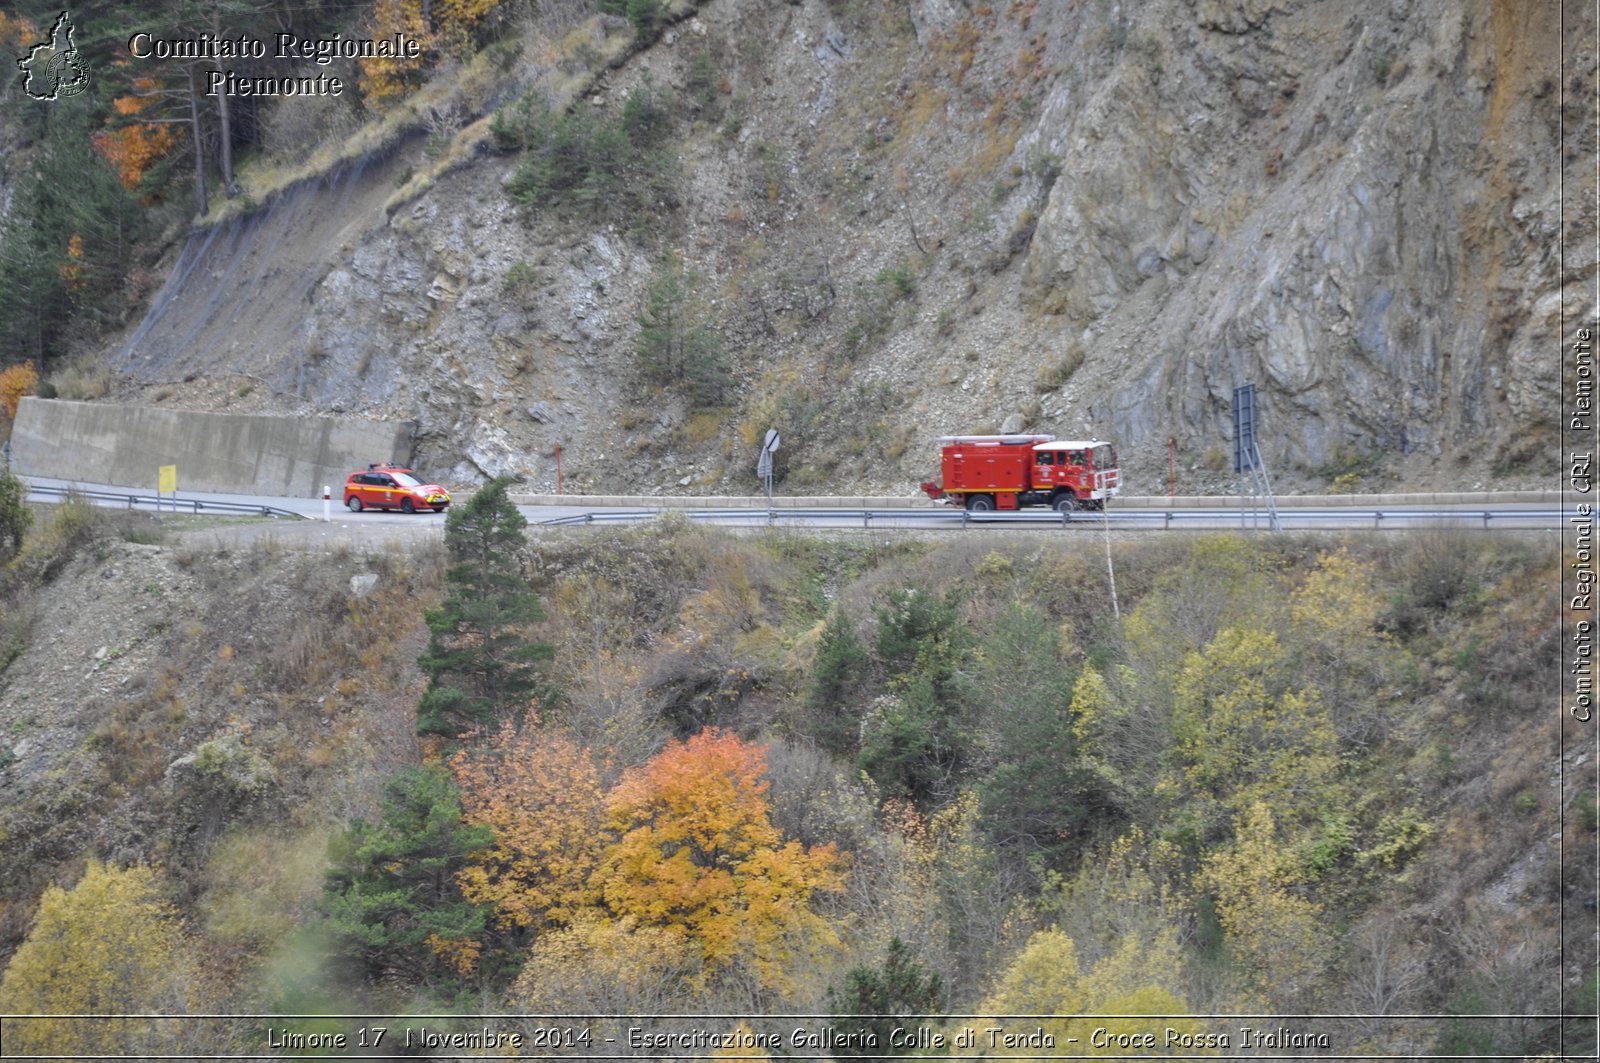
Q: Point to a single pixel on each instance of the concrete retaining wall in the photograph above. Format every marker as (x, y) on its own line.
(240, 453)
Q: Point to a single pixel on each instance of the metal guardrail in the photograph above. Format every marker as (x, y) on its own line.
(195, 505)
(1376, 518)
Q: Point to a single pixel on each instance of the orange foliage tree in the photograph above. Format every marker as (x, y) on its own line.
(131, 148)
(15, 382)
(541, 795)
(698, 854)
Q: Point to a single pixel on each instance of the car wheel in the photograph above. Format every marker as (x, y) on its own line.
(354, 503)
(407, 506)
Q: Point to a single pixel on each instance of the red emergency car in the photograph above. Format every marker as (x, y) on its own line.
(383, 486)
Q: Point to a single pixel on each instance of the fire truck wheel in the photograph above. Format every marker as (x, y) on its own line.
(979, 503)
(1066, 503)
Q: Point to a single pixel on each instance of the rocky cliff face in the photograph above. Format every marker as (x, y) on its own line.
(1357, 208)
(921, 218)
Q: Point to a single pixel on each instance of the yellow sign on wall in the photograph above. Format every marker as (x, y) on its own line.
(168, 480)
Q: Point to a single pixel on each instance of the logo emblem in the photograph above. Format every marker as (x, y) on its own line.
(54, 69)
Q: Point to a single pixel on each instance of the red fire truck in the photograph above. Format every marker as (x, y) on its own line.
(1006, 472)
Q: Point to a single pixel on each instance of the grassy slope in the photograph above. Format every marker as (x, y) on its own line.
(303, 689)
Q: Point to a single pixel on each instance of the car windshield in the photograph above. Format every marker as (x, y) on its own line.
(405, 479)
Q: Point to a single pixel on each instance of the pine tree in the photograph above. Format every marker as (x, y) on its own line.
(901, 989)
(675, 345)
(66, 244)
(482, 665)
(836, 682)
(391, 894)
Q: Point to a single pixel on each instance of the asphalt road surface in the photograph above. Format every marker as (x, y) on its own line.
(329, 522)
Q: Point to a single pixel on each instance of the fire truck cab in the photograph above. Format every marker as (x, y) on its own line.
(1006, 472)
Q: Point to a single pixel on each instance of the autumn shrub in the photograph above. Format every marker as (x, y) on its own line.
(1435, 572)
(817, 799)
(255, 903)
(15, 382)
(111, 946)
(41, 556)
(81, 382)
(601, 966)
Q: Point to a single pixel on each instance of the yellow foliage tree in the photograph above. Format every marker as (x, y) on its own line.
(1243, 736)
(1339, 599)
(604, 966)
(698, 855)
(1225, 581)
(385, 79)
(1274, 935)
(112, 945)
(1047, 980)
(541, 796)
(1091, 704)
(72, 269)
(1135, 888)
(1335, 613)
(447, 26)
(456, 20)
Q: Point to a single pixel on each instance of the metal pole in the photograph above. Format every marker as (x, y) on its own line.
(1111, 572)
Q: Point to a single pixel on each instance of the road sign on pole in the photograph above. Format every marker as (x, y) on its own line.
(1247, 455)
(764, 463)
(1244, 428)
(167, 484)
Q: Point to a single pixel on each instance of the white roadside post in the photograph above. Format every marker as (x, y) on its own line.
(327, 504)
